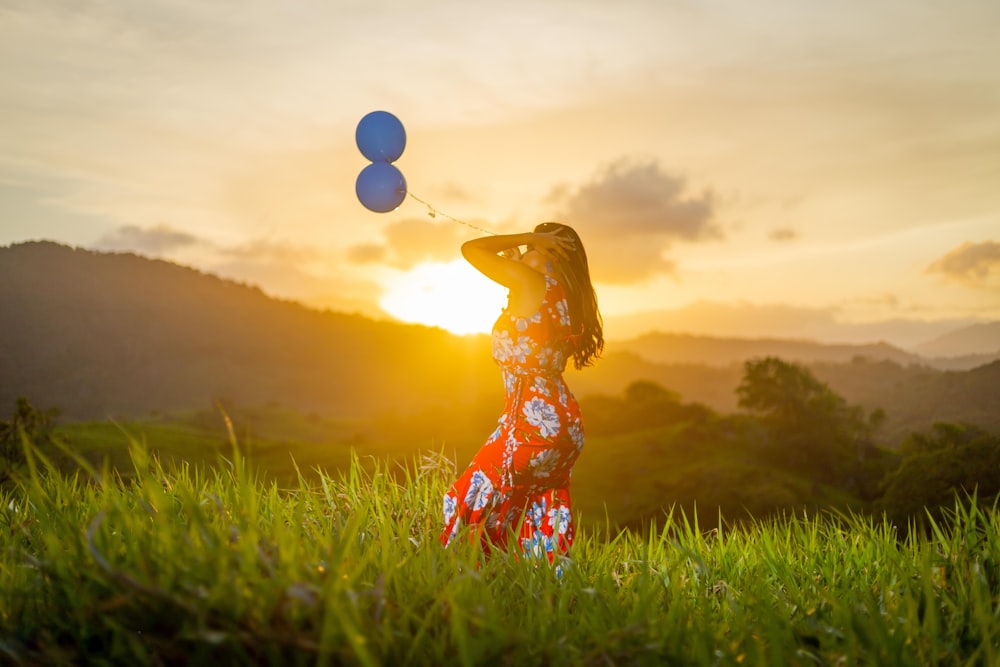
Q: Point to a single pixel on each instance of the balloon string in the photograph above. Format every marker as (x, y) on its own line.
(433, 212)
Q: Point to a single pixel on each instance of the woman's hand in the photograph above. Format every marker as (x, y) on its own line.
(551, 245)
(512, 253)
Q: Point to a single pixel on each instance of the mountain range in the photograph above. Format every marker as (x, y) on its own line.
(718, 351)
(119, 335)
(981, 339)
(951, 337)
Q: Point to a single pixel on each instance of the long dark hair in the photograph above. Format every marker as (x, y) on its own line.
(585, 318)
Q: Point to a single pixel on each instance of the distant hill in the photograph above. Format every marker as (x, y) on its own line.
(675, 348)
(915, 397)
(101, 334)
(781, 322)
(977, 339)
(912, 396)
(710, 385)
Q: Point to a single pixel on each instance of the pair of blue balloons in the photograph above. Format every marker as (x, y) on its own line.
(381, 138)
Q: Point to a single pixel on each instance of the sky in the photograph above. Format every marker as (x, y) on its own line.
(787, 168)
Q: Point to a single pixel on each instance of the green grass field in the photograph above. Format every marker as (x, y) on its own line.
(621, 479)
(273, 438)
(188, 563)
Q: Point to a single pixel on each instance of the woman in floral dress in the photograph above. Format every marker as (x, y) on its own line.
(518, 482)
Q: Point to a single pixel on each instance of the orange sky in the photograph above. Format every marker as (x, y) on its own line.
(809, 169)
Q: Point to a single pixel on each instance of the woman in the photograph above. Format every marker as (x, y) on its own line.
(519, 479)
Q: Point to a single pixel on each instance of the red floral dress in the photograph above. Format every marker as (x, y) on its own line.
(519, 479)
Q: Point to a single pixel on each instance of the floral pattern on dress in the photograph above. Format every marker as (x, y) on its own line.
(542, 415)
(479, 492)
(544, 463)
(449, 507)
(518, 482)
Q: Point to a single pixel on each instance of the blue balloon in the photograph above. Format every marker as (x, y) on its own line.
(380, 137)
(381, 187)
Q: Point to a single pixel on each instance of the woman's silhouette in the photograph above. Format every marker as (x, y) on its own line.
(518, 482)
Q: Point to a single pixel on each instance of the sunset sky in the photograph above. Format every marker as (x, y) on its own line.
(801, 168)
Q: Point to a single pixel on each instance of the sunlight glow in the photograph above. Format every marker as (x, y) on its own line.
(453, 296)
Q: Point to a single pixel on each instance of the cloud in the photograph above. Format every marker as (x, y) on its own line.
(306, 273)
(162, 240)
(630, 214)
(879, 299)
(974, 264)
(367, 253)
(410, 242)
(301, 282)
(454, 192)
(156, 240)
(783, 234)
(262, 250)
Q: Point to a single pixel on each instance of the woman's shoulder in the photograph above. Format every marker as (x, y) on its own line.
(553, 286)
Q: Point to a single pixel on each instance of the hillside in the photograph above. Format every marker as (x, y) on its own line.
(103, 335)
(915, 397)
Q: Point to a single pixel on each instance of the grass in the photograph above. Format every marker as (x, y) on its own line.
(621, 479)
(198, 564)
(272, 437)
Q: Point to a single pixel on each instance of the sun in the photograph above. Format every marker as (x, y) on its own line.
(452, 295)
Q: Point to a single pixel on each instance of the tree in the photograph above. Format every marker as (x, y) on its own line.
(952, 460)
(643, 405)
(943, 435)
(27, 423)
(810, 427)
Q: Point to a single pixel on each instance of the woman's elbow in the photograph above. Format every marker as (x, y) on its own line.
(469, 250)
